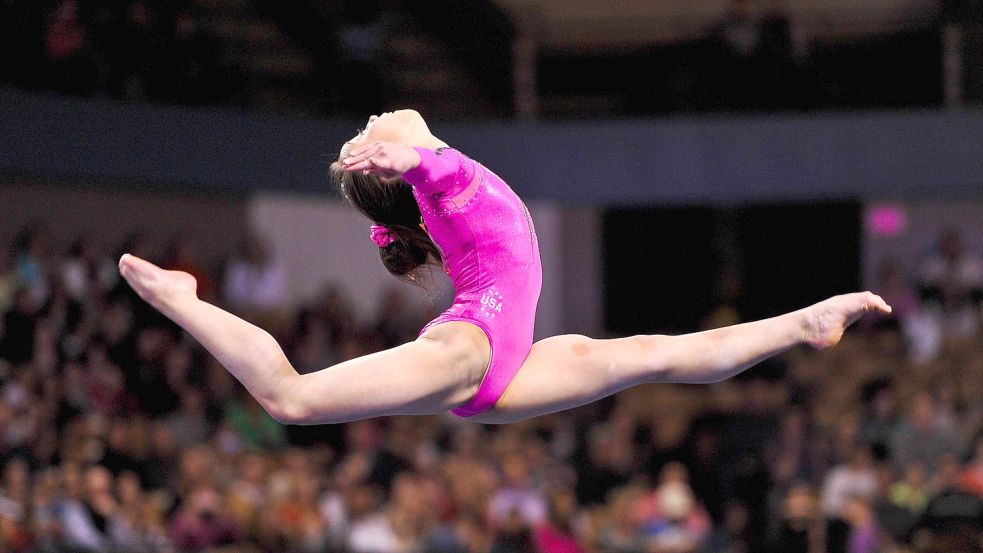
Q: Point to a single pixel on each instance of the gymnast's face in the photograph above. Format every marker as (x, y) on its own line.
(390, 126)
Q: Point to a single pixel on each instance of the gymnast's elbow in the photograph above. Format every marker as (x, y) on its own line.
(289, 412)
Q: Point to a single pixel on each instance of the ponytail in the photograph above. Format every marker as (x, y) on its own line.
(390, 203)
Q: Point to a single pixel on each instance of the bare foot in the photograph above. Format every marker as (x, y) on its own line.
(825, 322)
(156, 286)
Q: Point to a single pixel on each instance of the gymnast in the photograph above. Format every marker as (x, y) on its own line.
(429, 203)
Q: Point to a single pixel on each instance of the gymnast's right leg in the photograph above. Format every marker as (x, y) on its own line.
(563, 372)
(430, 375)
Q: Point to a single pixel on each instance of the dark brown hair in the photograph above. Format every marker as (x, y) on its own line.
(390, 202)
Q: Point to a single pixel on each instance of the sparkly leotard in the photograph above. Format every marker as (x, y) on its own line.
(490, 252)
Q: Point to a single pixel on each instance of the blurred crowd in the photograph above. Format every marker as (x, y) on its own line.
(118, 433)
(939, 297)
(130, 49)
(758, 60)
(754, 57)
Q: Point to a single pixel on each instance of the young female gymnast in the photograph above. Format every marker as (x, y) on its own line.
(431, 203)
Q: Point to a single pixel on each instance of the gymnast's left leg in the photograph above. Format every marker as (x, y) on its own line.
(564, 372)
(432, 374)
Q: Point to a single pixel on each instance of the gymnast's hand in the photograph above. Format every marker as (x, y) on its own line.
(386, 159)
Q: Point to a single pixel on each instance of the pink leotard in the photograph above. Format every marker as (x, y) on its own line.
(490, 251)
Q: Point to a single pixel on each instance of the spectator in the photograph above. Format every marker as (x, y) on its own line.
(775, 57)
(140, 529)
(555, 534)
(972, 475)
(920, 438)
(105, 385)
(137, 50)
(19, 325)
(371, 530)
(183, 255)
(189, 424)
(864, 533)
(738, 31)
(203, 522)
(672, 519)
(953, 516)
(951, 282)
(9, 281)
(880, 421)
(512, 534)
(853, 478)
(363, 37)
(737, 38)
(397, 322)
(800, 527)
(365, 448)
(193, 63)
(254, 426)
(904, 329)
(85, 273)
(611, 459)
(733, 536)
(895, 521)
(255, 281)
(117, 455)
(15, 505)
(792, 455)
(912, 492)
(292, 519)
(33, 261)
(621, 532)
(91, 523)
(517, 497)
(436, 485)
(67, 47)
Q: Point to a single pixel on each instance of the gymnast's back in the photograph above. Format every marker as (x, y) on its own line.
(489, 249)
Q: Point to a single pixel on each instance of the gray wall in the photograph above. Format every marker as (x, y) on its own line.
(707, 160)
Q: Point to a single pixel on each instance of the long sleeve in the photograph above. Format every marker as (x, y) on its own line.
(441, 172)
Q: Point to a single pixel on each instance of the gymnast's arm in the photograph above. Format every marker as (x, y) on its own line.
(432, 172)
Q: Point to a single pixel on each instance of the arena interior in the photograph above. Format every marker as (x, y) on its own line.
(688, 164)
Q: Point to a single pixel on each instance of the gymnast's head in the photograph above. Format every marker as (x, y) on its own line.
(389, 202)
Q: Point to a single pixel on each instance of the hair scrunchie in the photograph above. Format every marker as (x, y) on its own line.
(382, 235)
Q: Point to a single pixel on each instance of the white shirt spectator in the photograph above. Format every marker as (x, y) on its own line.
(846, 480)
(254, 279)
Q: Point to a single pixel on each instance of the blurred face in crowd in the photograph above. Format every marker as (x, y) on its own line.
(858, 512)
(949, 470)
(67, 11)
(674, 472)
(16, 476)
(205, 503)
(800, 506)
(98, 481)
(884, 403)
(128, 488)
(914, 475)
(952, 245)
(675, 500)
(923, 412)
(860, 459)
(516, 469)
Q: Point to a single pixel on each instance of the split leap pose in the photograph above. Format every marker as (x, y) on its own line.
(430, 203)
